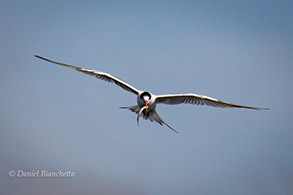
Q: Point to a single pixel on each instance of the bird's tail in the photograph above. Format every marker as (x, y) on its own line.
(155, 117)
(134, 108)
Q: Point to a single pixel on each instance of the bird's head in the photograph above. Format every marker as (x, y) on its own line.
(145, 96)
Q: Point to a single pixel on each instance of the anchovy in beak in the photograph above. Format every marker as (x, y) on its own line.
(139, 113)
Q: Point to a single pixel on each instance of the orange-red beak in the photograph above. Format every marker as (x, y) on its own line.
(146, 105)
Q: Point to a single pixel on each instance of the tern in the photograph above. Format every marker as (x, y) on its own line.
(146, 101)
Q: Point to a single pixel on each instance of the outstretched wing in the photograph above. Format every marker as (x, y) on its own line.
(190, 98)
(98, 74)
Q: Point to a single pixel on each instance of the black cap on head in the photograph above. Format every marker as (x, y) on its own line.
(145, 94)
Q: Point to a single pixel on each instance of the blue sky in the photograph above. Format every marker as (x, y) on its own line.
(53, 118)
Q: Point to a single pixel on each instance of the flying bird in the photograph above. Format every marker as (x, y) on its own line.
(146, 101)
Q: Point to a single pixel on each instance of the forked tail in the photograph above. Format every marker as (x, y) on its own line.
(153, 116)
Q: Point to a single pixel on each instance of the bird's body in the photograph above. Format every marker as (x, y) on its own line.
(146, 101)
